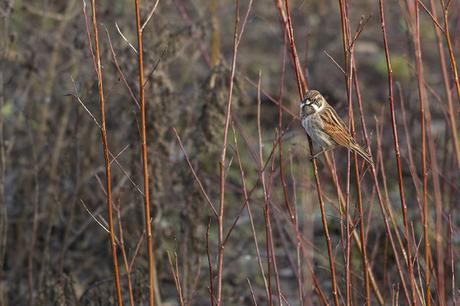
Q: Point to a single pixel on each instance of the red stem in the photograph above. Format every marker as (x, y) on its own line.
(397, 154)
(106, 156)
(453, 63)
(280, 145)
(302, 87)
(422, 103)
(211, 275)
(220, 219)
(251, 219)
(123, 252)
(349, 59)
(384, 207)
(148, 227)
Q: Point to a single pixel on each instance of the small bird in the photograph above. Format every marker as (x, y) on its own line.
(325, 127)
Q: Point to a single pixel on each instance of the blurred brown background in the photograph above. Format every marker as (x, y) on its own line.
(52, 251)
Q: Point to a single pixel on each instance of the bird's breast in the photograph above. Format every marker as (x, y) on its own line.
(314, 128)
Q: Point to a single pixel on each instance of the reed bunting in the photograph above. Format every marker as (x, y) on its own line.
(324, 126)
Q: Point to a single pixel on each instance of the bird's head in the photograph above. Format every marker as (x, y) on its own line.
(312, 103)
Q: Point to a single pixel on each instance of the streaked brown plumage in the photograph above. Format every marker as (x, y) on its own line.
(325, 127)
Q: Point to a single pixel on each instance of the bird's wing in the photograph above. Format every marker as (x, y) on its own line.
(335, 128)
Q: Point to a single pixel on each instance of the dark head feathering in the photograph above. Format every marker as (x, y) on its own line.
(312, 96)
(311, 103)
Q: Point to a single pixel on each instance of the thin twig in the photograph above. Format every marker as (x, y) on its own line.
(114, 158)
(334, 61)
(384, 208)
(197, 179)
(123, 252)
(397, 154)
(252, 293)
(106, 156)
(220, 220)
(148, 227)
(432, 14)
(422, 105)
(349, 60)
(359, 30)
(152, 11)
(302, 87)
(251, 219)
(175, 273)
(452, 260)
(268, 231)
(280, 127)
(447, 88)
(211, 274)
(117, 65)
(251, 190)
(125, 39)
(94, 217)
(438, 211)
(453, 62)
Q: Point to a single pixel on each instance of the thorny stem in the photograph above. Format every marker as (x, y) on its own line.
(106, 156)
(148, 227)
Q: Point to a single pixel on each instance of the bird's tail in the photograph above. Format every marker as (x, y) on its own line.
(358, 149)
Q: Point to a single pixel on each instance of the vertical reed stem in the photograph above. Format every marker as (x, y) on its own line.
(148, 227)
(302, 87)
(446, 83)
(397, 154)
(453, 63)
(106, 155)
(349, 63)
(422, 103)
